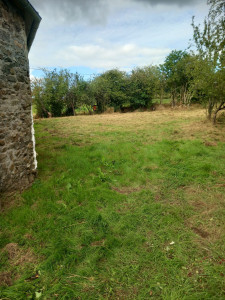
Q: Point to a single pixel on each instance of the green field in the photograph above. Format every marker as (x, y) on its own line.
(125, 206)
(164, 101)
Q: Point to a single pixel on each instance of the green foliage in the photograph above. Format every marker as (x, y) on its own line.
(160, 82)
(210, 43)
(39, 100)
(210, 40)
(100, 90)
(177, 68)
(117, 87)
(111, 89)
(77, 93)
(64, 93)
(59, 93)
(142, 87)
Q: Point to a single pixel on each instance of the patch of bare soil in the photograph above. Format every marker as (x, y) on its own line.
(203, 200)
(9, 200)
(5, 279)
(98, 243)
(28, 236)
(210, 144)
(121, 294)
(127, 190)
(17, 256)
(202, 233)
(210, 231)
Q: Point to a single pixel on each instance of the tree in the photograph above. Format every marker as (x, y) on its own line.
(55, 89)
(100, 92)
(60, 93)
(110, 89)
(87, 99)
(142, 87)
(160, 82)
(210, 43)
(117, 87)
(177, 80)
(76, 90)
(42, 106)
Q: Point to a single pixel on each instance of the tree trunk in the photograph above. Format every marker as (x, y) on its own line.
(210, 109)
(182, 96)
(173, 98)
(74, 112)
(186, 95)
(188, 98)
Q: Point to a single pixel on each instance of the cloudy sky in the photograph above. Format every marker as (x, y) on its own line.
(90, 36)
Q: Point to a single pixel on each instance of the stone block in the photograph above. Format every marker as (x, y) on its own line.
(2, 143)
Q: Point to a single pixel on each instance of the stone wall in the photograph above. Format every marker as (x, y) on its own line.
(17, 161)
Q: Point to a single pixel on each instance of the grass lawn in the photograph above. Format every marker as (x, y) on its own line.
(125, 206)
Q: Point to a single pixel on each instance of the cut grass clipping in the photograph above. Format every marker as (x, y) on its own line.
(125, 206)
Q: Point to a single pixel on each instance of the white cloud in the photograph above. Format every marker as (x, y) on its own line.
(103, 57)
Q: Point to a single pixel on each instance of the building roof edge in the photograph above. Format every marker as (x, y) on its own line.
(32, 19)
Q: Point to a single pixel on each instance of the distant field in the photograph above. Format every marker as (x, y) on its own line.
(125, 206)
(164, 101)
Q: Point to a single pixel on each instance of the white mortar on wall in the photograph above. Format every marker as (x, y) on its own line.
(33, 140)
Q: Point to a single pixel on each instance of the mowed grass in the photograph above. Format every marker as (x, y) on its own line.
(125, 206)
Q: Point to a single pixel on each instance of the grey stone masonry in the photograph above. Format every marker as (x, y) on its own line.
(17, 159)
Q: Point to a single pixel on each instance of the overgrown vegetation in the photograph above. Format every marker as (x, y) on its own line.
(62, 93)
(125, 206)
